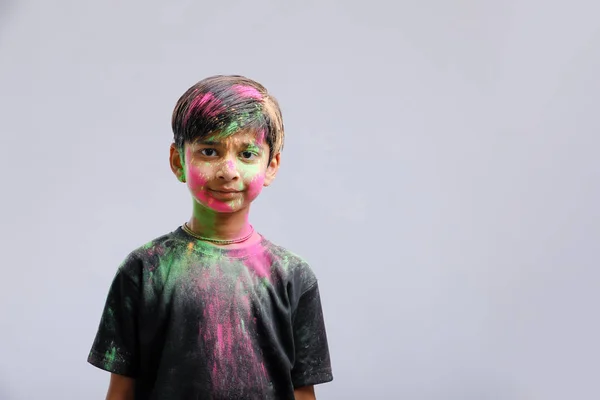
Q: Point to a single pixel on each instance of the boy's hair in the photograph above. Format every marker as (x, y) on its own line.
(222, 105)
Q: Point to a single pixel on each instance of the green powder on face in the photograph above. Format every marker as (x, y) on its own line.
(254, 148)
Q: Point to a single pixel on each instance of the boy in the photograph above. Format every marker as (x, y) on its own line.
(213, 310)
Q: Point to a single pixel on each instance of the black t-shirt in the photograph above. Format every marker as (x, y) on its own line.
(189, 320)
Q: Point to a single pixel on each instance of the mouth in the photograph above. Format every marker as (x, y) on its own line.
(225, 190)
(224, 193)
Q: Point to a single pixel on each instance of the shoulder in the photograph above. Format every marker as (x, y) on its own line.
(297, 268)
(150, 253)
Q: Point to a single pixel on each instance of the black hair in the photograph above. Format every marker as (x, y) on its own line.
(223, 105)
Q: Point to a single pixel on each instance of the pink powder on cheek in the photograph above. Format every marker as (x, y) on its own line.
(247, 91)
(196, 180)
(197, 184)
(255, 186)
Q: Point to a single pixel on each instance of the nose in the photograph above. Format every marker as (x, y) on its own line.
(228, 171)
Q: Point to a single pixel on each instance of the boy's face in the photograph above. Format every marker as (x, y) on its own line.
(225, 174)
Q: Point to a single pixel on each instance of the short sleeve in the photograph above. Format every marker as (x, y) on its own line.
(115, 346)
(312, 363)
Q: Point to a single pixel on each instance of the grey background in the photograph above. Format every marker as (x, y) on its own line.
(440, 174)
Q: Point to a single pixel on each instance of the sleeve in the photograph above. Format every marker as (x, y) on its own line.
(115, 346)
(312, 363)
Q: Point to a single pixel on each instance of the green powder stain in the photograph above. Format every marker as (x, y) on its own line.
(231, 128)
(285, 262)
(265, 282)
(172, 267)
(254, 149)
(242, 120)
(206, 218)
(243, 326)
(182, 177)
(110, 357)
(178, 266)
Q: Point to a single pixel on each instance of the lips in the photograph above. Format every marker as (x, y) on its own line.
(225, 190)
(224, 193)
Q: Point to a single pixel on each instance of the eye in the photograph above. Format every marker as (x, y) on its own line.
(208, 152)
(249, 155)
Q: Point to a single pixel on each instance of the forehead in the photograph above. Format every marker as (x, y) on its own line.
(242, 137)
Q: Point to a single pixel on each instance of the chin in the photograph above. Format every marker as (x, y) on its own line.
(222, 207)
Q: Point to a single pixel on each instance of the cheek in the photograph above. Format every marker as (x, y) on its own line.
(196, 179)
(255, 185)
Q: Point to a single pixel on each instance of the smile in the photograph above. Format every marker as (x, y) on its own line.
(225, 190)
(224, 193)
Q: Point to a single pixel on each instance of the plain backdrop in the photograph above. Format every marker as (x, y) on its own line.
(441, 175)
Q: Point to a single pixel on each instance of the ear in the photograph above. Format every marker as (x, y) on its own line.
(272, 169)
(176, 159)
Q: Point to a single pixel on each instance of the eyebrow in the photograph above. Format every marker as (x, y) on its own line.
(217, 143)
(208, 142)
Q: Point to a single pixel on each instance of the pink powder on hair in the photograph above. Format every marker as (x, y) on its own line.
(247, 91)
(212, 106)
(260, 137)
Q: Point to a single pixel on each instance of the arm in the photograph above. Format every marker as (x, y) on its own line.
(305, 393)
(115, 346)
(120, 388)
(312, 364)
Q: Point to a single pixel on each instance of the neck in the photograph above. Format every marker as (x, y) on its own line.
(222, 226)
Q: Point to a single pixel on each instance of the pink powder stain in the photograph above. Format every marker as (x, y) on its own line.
(230, 165)
(260, 137)
(219, 206)
(223, 331)
(247, 91)
(229, 342)
(197, 183)
(255, 186)
(243, 299)
(212, 106)
(260, 264)
(196, 179)
(220, 338)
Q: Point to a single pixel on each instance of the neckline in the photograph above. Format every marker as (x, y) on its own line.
(243, 251)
